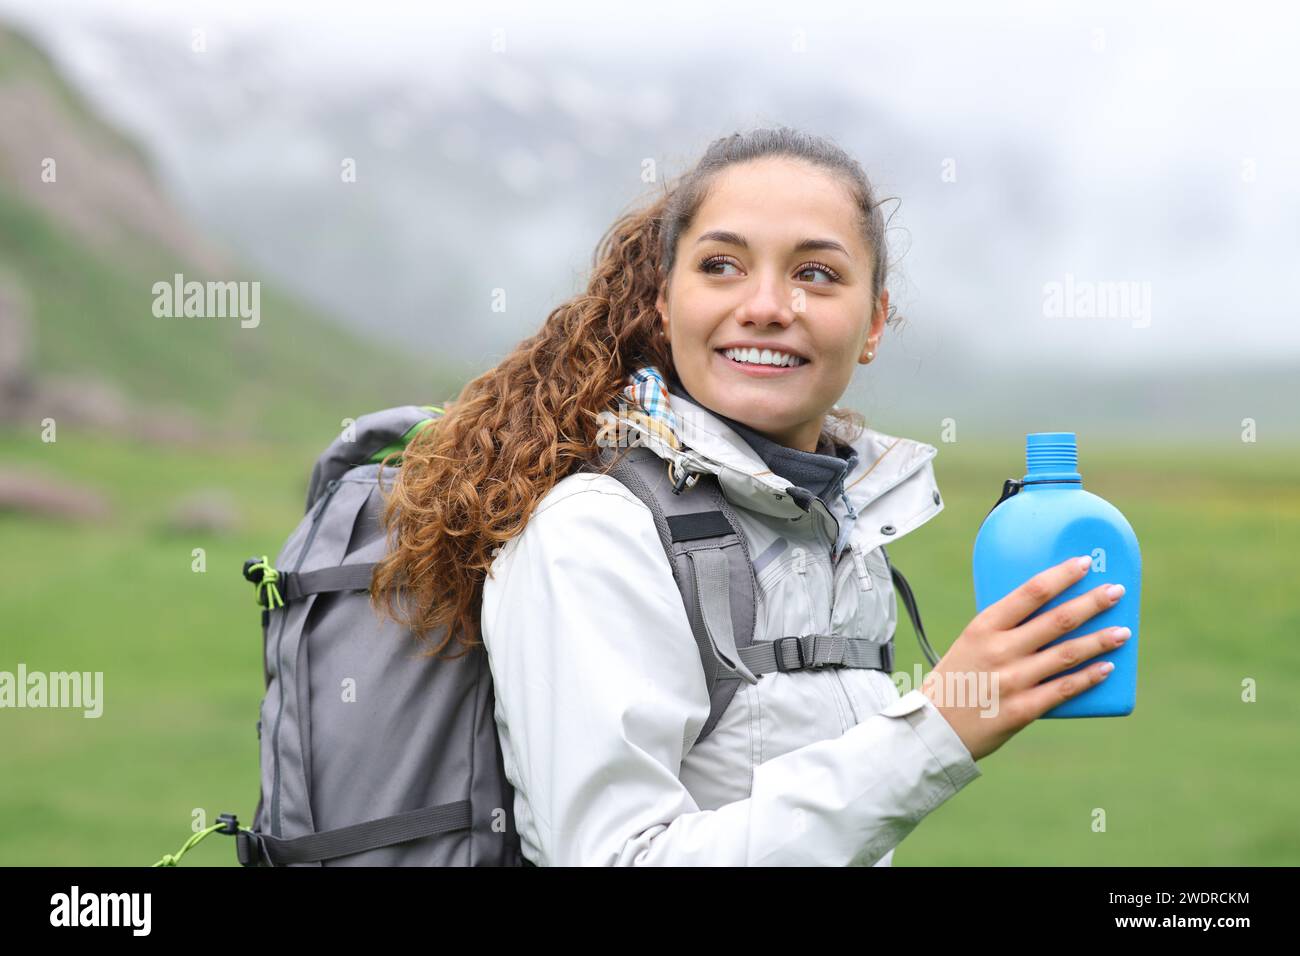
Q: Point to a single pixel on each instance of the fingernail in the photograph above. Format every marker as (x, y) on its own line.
(1083, 563)
(1114, 591)
(1120, 634)
(1106, 668)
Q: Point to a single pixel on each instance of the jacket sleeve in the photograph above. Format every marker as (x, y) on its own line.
(600, 692)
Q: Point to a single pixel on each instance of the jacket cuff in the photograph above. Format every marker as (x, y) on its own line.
(938, 736)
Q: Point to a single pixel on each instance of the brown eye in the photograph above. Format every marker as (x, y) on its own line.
(830, 273)
(713, 262)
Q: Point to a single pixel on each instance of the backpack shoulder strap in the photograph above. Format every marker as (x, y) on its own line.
(909, 602)
(710, 562)
(713, 569)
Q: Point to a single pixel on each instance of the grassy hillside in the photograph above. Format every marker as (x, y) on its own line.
(83, 252)
(1194, 776)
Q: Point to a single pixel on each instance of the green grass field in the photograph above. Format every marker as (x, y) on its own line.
(1194, 776)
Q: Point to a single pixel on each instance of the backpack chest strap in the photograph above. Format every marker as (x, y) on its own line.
(812, 651)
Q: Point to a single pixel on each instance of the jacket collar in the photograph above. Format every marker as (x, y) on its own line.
(819, 473)
(697, 441)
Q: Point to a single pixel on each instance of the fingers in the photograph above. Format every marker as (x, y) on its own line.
(1067, 654)
(1009, 612)
(1063, 618)
(1036, 701)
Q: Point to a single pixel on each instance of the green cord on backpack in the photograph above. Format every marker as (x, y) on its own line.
(267, 591)
(229, 824)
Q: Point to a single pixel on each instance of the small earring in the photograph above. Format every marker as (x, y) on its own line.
(870, 356)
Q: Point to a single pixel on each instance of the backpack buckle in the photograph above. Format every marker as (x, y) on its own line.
(687, 480)
(780, 654)
(887, 656)
(248, 845)
(248, 849)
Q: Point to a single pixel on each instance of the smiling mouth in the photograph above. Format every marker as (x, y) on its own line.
(787, 362)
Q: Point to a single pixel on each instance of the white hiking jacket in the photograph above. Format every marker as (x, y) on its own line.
(600, 694)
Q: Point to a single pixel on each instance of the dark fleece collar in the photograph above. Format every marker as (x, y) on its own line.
(821, 473)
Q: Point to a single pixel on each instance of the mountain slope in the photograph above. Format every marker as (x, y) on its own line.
(85, 233)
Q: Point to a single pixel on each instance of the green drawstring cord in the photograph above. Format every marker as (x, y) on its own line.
(269, 576)
(170, 859)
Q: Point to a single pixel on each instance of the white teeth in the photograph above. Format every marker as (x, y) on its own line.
(763, 357)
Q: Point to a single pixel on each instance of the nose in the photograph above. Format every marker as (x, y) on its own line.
(767, 304)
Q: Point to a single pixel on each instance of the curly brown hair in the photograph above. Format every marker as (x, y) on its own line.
(470, 483)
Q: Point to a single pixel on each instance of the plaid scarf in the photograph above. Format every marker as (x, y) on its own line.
(647, 389)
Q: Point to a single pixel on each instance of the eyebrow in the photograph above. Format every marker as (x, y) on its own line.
(803, 245)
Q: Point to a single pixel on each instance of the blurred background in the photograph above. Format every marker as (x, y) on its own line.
(1094, 229)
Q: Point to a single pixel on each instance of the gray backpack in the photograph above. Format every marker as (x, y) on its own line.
(372, 755)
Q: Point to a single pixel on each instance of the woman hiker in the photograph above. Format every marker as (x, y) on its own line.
(720, 326)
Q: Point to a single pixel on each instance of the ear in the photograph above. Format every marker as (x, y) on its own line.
(877, 327)
(661, 306)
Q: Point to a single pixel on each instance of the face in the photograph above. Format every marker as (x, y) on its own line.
(741, 279)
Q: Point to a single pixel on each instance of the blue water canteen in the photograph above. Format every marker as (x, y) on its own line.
(1040, 521)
